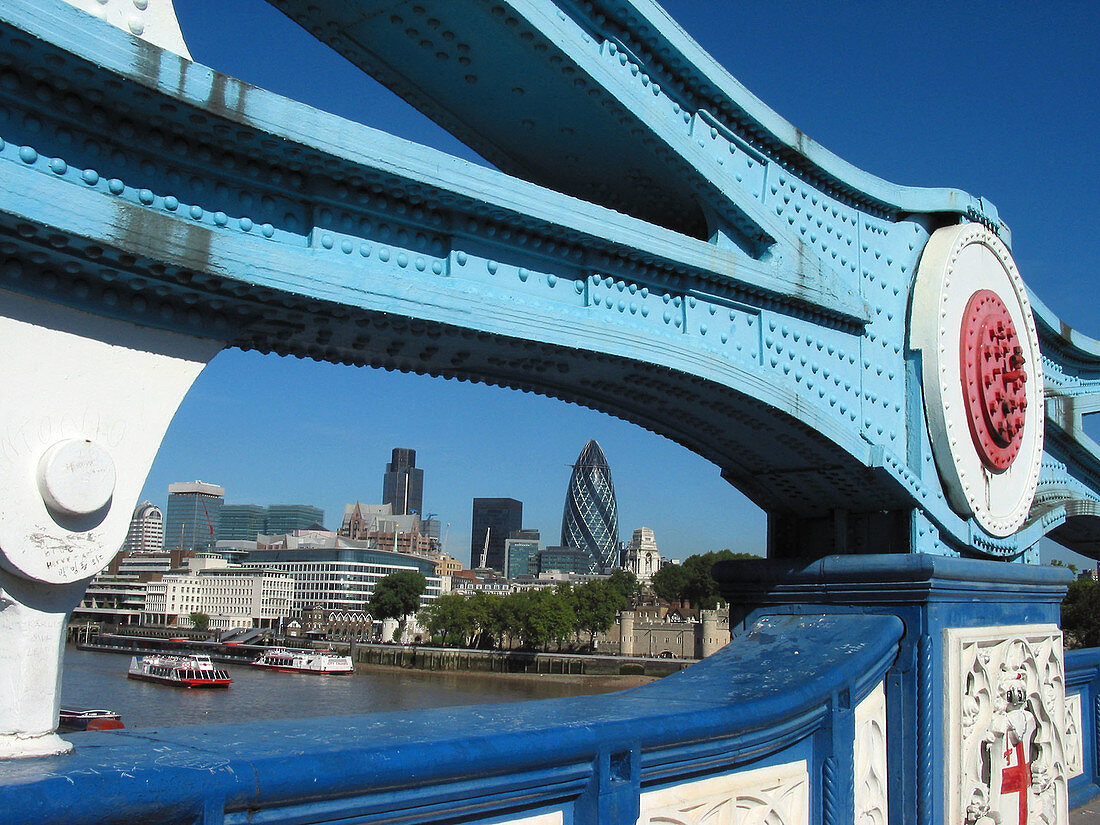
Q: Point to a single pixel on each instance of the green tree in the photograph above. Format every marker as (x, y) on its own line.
(1081, 614)
(542, 616)
(626, 583)
(692, 581)
(449, 617)
(595, 605)
(486, 618)
(670, 582)
(397, 595)
(200, 620)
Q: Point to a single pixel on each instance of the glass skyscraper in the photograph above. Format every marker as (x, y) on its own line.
(590, 521)
(499, 519)
(403, 483)
(192, 516)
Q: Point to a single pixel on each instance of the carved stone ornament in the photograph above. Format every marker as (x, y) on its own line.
(778, 795)
(1072, 742)
(1006, 725)
(869, 753)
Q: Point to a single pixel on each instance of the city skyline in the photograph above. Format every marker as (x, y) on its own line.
(253, 423)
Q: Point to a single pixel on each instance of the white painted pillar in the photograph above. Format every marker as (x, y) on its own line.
(85, 403)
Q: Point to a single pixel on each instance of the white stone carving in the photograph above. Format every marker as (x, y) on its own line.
(778, 795)
(1005, 724)
(151, 20)
(1072, 743)
(869, 754)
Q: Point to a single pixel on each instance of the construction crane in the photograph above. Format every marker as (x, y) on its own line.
(485, 549)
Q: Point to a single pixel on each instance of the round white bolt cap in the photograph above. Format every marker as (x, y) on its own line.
(76, 477)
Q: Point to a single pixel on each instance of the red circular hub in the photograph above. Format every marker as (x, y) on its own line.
(994, 380)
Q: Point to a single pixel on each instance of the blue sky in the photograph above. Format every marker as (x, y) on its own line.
(998, 103)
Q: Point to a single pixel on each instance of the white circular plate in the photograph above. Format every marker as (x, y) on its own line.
(958, 262)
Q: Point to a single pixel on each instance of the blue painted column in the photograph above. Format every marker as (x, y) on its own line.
(980, 670)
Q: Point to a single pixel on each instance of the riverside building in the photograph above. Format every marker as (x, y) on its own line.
(231, 595)
(338, 576)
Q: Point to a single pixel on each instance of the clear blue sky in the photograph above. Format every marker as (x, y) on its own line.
(998, 101)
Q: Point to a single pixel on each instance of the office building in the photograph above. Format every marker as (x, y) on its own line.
(642, 558)
(286, 518)
(244, 522)
(521, 554)
(231, 595)
(495, 519)
(403, 483)
(146, 533)
(590, 520)
(241, 522)
(333, 576)
(566, 560)
(191, 519)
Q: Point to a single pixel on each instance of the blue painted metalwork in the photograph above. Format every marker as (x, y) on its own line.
(698, 267)
(748, 301)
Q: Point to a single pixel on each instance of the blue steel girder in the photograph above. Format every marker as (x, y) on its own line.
(752, 308)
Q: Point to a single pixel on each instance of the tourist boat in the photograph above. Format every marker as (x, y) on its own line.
(71, 720)
(194, 671)
(304, 661)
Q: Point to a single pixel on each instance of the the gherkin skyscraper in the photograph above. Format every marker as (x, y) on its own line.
(590, 521)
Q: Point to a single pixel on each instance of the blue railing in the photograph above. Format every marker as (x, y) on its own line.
(777, 707)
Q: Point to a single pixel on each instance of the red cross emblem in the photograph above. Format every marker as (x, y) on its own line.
(1017, 778)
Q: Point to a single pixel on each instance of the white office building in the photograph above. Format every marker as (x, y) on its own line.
(231, 595)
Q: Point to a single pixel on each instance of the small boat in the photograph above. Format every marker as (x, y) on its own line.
(78, 719)
(304, 661)
(194, 671)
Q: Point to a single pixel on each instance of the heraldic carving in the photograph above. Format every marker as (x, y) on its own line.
(1006, 718)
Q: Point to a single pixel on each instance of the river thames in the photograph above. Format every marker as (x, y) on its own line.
(94, 679)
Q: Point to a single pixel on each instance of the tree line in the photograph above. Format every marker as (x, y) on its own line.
(530, 618)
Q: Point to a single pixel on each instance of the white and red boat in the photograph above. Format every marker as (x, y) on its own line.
(304, 661)
(193, 671)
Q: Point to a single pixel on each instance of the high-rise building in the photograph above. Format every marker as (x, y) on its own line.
(403, 483)
(244, 522)
(241, 522)
(146, 533)
(499, 519)
(286, 518)
(192, 516)
(521, 554)
(590, 520)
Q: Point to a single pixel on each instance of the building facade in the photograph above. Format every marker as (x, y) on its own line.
(286, 518)
(495, 519)
(244, 522)
(241, 522)
(590, 519)
(340, 578)
(146, 533)
(521, 554)
(231, 595)
(403, 483)
(192, 517)
(642, 558)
